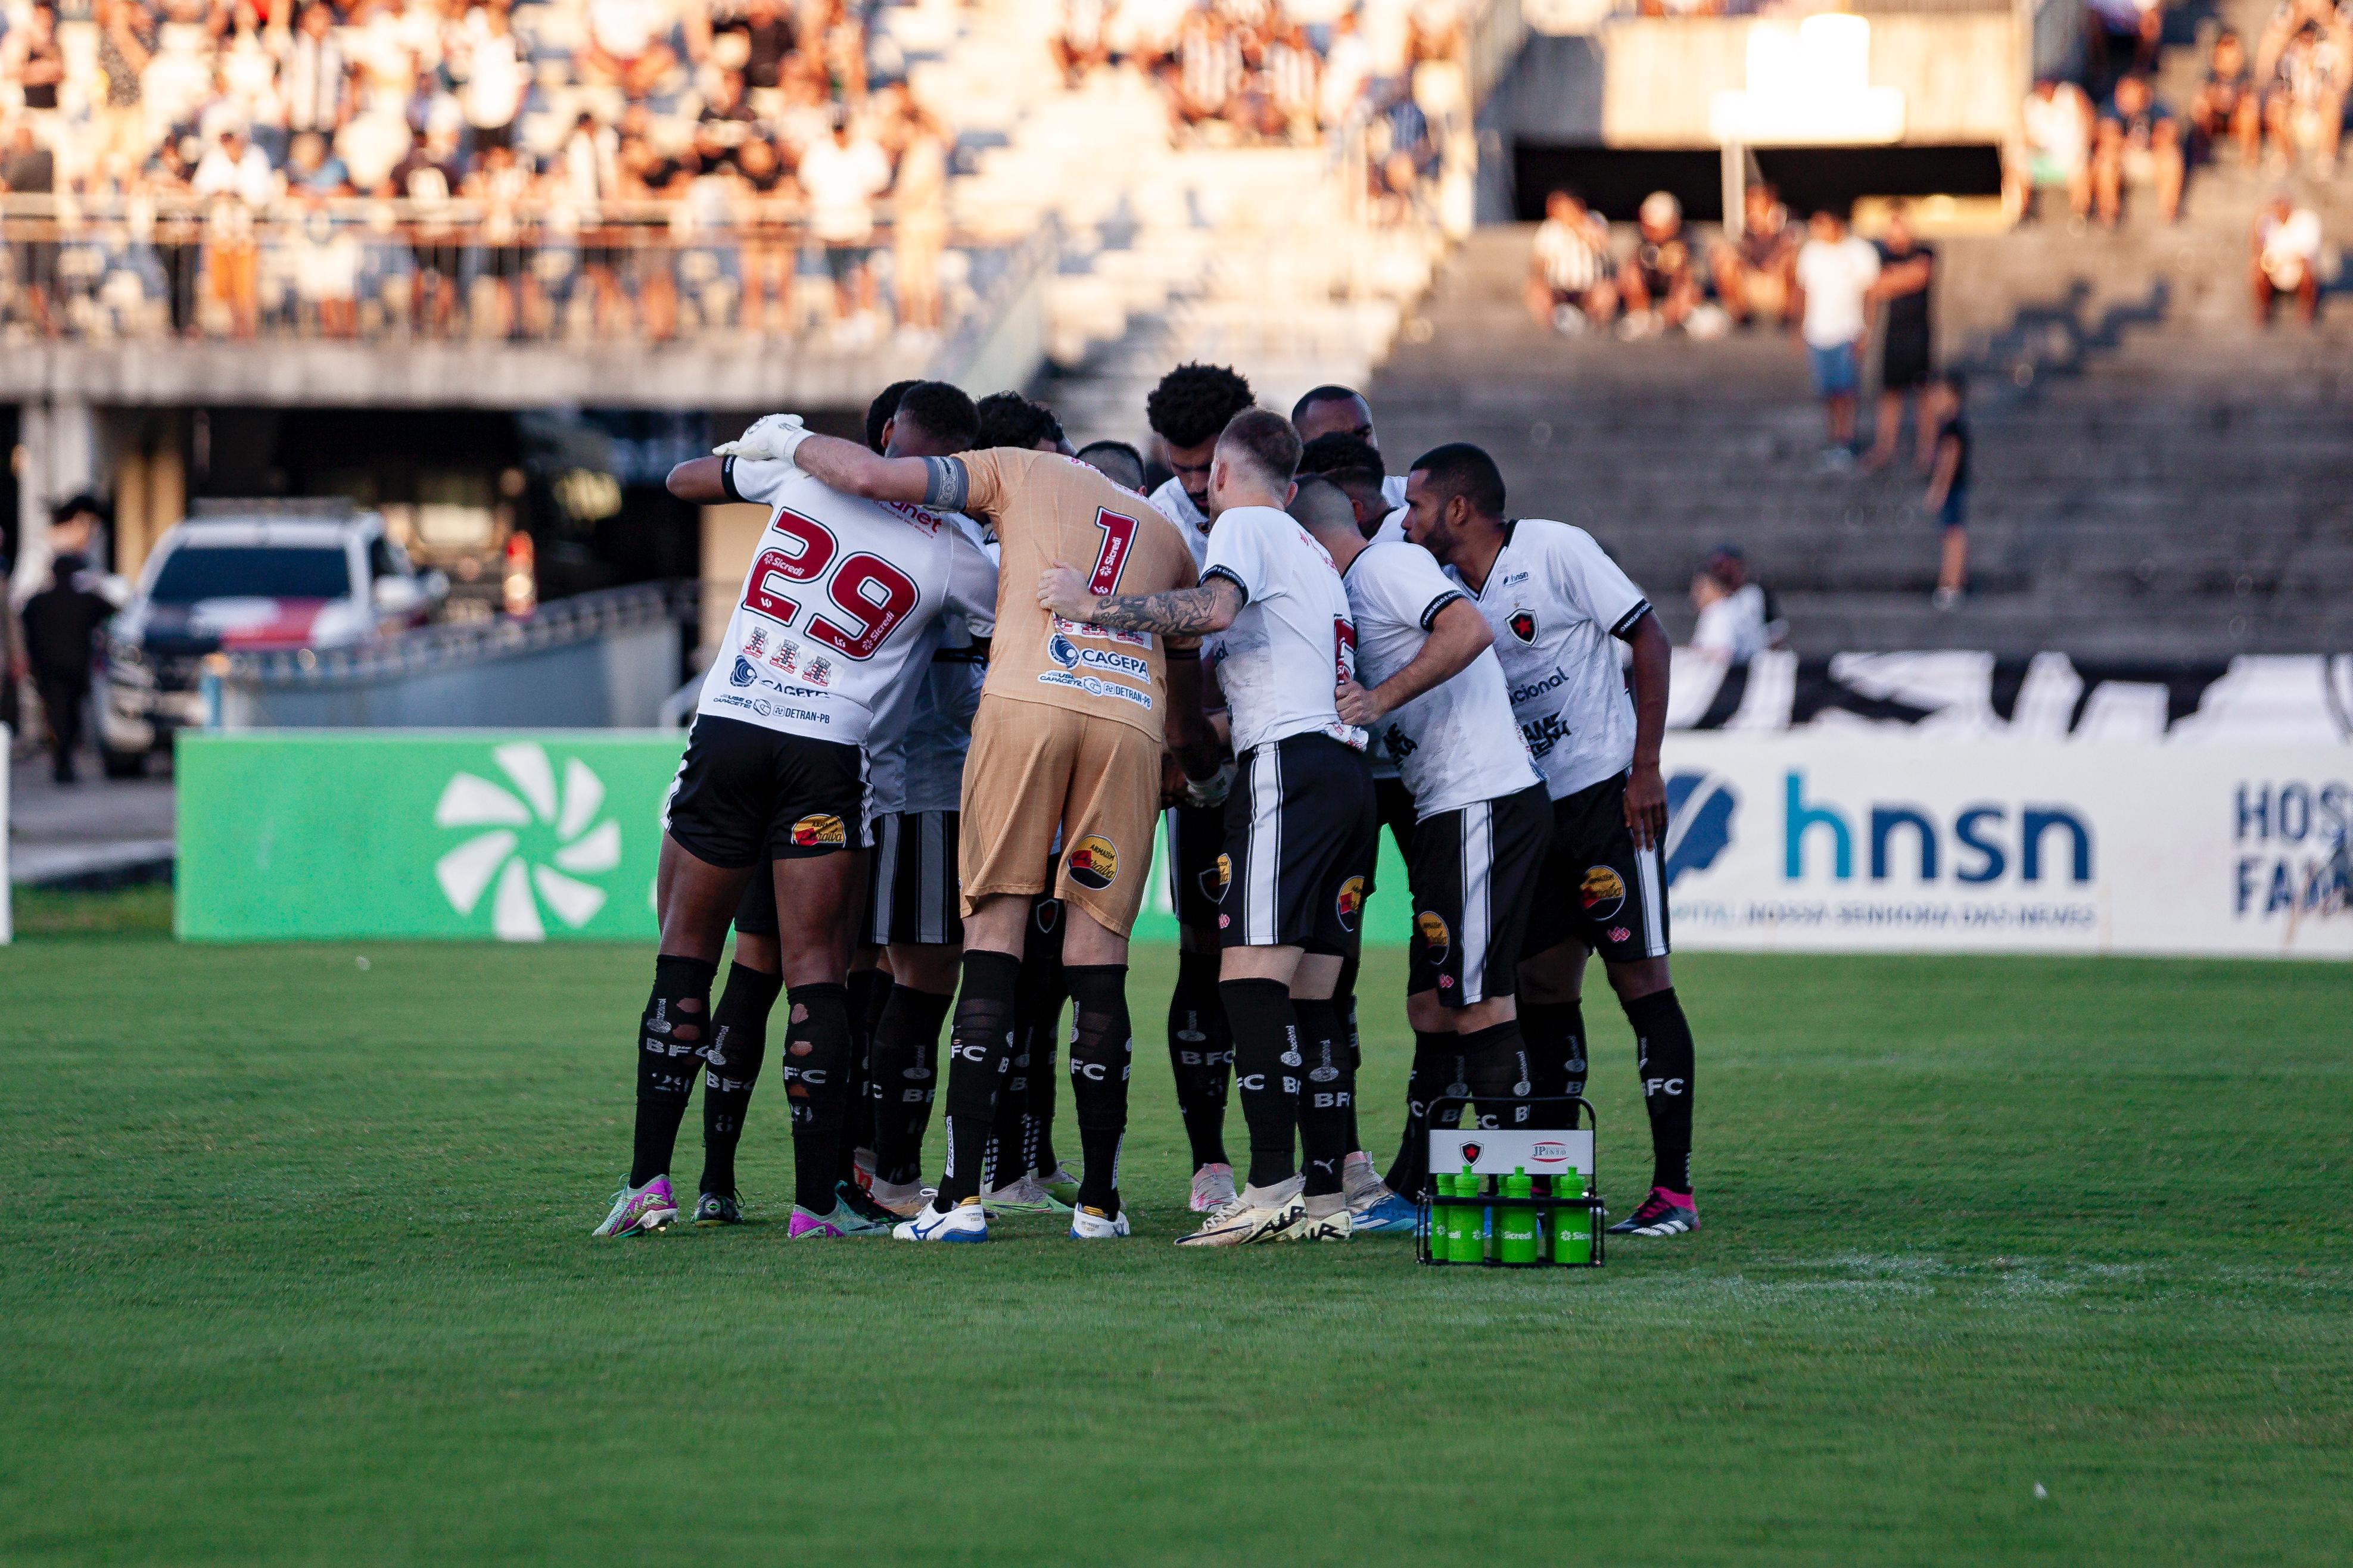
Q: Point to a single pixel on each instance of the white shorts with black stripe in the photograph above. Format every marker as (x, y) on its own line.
(1474, 873)
(911, 891)
(1300, 833)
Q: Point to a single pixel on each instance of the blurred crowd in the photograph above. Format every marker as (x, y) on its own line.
(485, 166)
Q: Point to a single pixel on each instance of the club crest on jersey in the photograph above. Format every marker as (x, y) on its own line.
(1471, 1152)
(756, 644)
(744, 674)
(1351, 899)
(1093, 862)
(1603, 892)
(819, 672)
(1524, 626)
(823, 830)
(1048, 914)
(1430, 926)
(783, 659)
(1217, 879)
(1061, 651)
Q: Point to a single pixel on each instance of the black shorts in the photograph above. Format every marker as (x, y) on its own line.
(1300, 833)
(1197, 864)
(1476, 872)
(1393, 808)
(1903, 363)
(744, 794)
(1597, 887)
(911, 893)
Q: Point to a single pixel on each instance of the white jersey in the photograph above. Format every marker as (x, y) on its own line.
(1282, 660)
(1457, 743)
(1555, 601)
(1190, 520)
(916, 751)
(840, 593)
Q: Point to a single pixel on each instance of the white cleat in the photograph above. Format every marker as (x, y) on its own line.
(1257, 1215)
(1334, 1226)
(902, 1199)
(965, 1222)
(1092, 1225)
(1213, 1188)
(640, 1211)
(1022, 1197)
(1360, 1183)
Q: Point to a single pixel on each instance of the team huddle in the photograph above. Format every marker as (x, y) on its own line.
(969, 675)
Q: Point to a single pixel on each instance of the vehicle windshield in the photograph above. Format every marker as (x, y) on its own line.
(253, 571)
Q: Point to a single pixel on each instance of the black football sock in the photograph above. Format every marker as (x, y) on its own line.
(1554, 1032)
(1662, 1052)
(1343, 1006)
(1101, 1058)
(906, 1069)
(1495, 1062)
(1327, 1089)
(1037, 1121)
(1201, 1056)
(867, 989)
(671, 1037)
(815, 1067)
(1037, 1010)
(980, 1058)
(1266, 1068)
(739, 1044)
(1003, 1162)
(1437, 1068)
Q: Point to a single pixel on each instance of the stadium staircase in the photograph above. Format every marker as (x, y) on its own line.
(1248, 255)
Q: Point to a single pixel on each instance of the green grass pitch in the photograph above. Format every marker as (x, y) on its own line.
(2005, 1260)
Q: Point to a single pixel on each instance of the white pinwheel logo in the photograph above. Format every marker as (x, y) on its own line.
(523, 884)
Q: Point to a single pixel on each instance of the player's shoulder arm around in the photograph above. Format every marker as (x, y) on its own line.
(1590, 578)
(1420, 589)
(758, 479)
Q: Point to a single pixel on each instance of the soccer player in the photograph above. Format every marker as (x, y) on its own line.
(1478, 825)
(1555, 603)
(838, 596)
(1187, 411)
(1117, 461)
(1068, 740)
(1299, 841)
(1343, 411)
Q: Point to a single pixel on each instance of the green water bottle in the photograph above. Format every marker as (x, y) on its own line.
(1516, 1227)
(1572, 1228)
(1441, 1214)
(1463, 1242)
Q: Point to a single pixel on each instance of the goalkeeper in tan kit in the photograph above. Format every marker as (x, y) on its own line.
(1066, 747)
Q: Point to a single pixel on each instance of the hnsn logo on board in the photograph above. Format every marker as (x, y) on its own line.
(1823, 837)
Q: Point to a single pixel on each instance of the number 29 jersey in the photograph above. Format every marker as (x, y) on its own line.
(838, 595)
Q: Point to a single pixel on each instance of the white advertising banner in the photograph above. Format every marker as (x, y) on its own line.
(1831, 843)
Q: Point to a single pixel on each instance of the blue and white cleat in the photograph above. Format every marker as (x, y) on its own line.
(1092, 1225)
(1387, 1216)
(640, 1211)
(965, 1222)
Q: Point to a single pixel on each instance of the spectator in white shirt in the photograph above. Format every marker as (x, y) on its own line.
(841, 176)
(2285, 258)
(2055, 149)
(1834, 274)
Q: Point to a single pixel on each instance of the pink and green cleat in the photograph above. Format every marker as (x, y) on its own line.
(640, 1211)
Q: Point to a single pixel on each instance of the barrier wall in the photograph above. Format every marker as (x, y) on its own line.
(1790, 842)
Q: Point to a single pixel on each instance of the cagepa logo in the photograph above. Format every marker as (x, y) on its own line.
(526, 885)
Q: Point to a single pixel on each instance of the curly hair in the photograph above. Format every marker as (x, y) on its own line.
(1009, 419)
(1193, 403)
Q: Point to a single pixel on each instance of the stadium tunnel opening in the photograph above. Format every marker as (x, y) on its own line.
(1614, 180)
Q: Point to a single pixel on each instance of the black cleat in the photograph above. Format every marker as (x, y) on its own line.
(858, 1201)
(718, 1208)
(1660, 1216)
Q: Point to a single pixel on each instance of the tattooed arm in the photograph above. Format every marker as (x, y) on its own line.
(1178, 613)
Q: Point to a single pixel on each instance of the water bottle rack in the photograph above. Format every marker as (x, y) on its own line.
(1426, 1202)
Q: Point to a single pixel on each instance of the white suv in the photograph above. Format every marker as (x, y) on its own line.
(248, 575)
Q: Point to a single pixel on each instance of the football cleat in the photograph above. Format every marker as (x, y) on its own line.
(806, 1223)
(1361, 1182)
(852, 1198)
(1246, 1219)
(718, 1208)
(902, 1199)
(965, 1222)
(844, 1220)
(1022, 1197)
(1213, 1188)
(1088, 1224)
(1060, 1185)
(1334, 1226)
(1662, 1214)
(1390, 1216)
(639, 1211)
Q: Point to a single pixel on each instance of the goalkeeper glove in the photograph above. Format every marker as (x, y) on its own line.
(773, 438)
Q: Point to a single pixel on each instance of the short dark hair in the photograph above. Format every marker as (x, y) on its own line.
(1266, 440)
(879, 412)
(1195, 403)
(1009, 419)
(1129, 461)
(1344, 459)
(1459, 469)
(1320, 503)
(943, 412)
(73, 506)
(1327, 394)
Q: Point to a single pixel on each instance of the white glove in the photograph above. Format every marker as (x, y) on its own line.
(1213, 790)
(773, 438)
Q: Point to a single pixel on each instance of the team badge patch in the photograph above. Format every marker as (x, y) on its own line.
(1048, 914)
(1471, 1152)
(1524, 626)
(1430, 926)
(1603, 892)
(1216, 879)
(1093, 862)
(1351, 899)
(1061, 651)
(818, 832)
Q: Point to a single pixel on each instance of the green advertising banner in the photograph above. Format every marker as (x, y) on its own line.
(302, 835)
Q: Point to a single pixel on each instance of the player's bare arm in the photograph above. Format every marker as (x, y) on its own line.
(1458, 636)
(847, 467)
(1646, 792)
(1179, 612)
(702, 480)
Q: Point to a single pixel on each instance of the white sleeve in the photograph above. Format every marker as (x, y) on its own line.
(1592, 582)
(1408, 586)
(756, 480)
(1237, 553)
(971, 584)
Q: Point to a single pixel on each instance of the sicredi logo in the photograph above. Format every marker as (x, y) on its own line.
(1982, 843)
